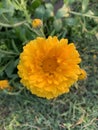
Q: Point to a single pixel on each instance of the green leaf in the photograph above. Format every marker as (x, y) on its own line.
(40, 12)
(10, 68)
(57, 24)
(49, 11)
(15, 47)
(7, 6)
(84, 5)
(68, 1)
(2, 10)
(96, 20)
(63, 12)
(70, 21)
(49, 6)
(48, 14)
(35, 4)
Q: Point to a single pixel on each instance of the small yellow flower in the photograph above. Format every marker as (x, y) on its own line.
(36, 23)
(83, 75)
(49, 67)
(4, 84)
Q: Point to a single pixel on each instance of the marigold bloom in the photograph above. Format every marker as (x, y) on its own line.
(4, 84)
(36, 23)
(83, 75)
(49, 67)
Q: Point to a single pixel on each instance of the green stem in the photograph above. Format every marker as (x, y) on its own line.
(84, 15)
(13, 93)
(27, 16)
(41, 30)
(38, 33)
(13, 25)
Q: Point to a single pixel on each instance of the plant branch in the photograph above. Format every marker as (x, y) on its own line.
(84, 15)
(13, 25)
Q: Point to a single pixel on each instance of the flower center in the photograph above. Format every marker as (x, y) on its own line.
(49, 65)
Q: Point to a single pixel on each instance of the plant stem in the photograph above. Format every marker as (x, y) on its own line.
(84, 15)
(13, 25)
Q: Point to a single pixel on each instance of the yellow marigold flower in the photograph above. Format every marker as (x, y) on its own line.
(83, 75)
(4, 84)
(48, 67)
(36, 23)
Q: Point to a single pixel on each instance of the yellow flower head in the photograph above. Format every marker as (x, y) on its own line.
(36, 23)
(48, 67)
(4, 84)
(83, 75)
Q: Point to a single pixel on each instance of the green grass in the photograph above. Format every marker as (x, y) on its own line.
(74, 111)
(77, 110)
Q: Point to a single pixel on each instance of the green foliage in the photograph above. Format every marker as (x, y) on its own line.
(85, 5)
(76, 20)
